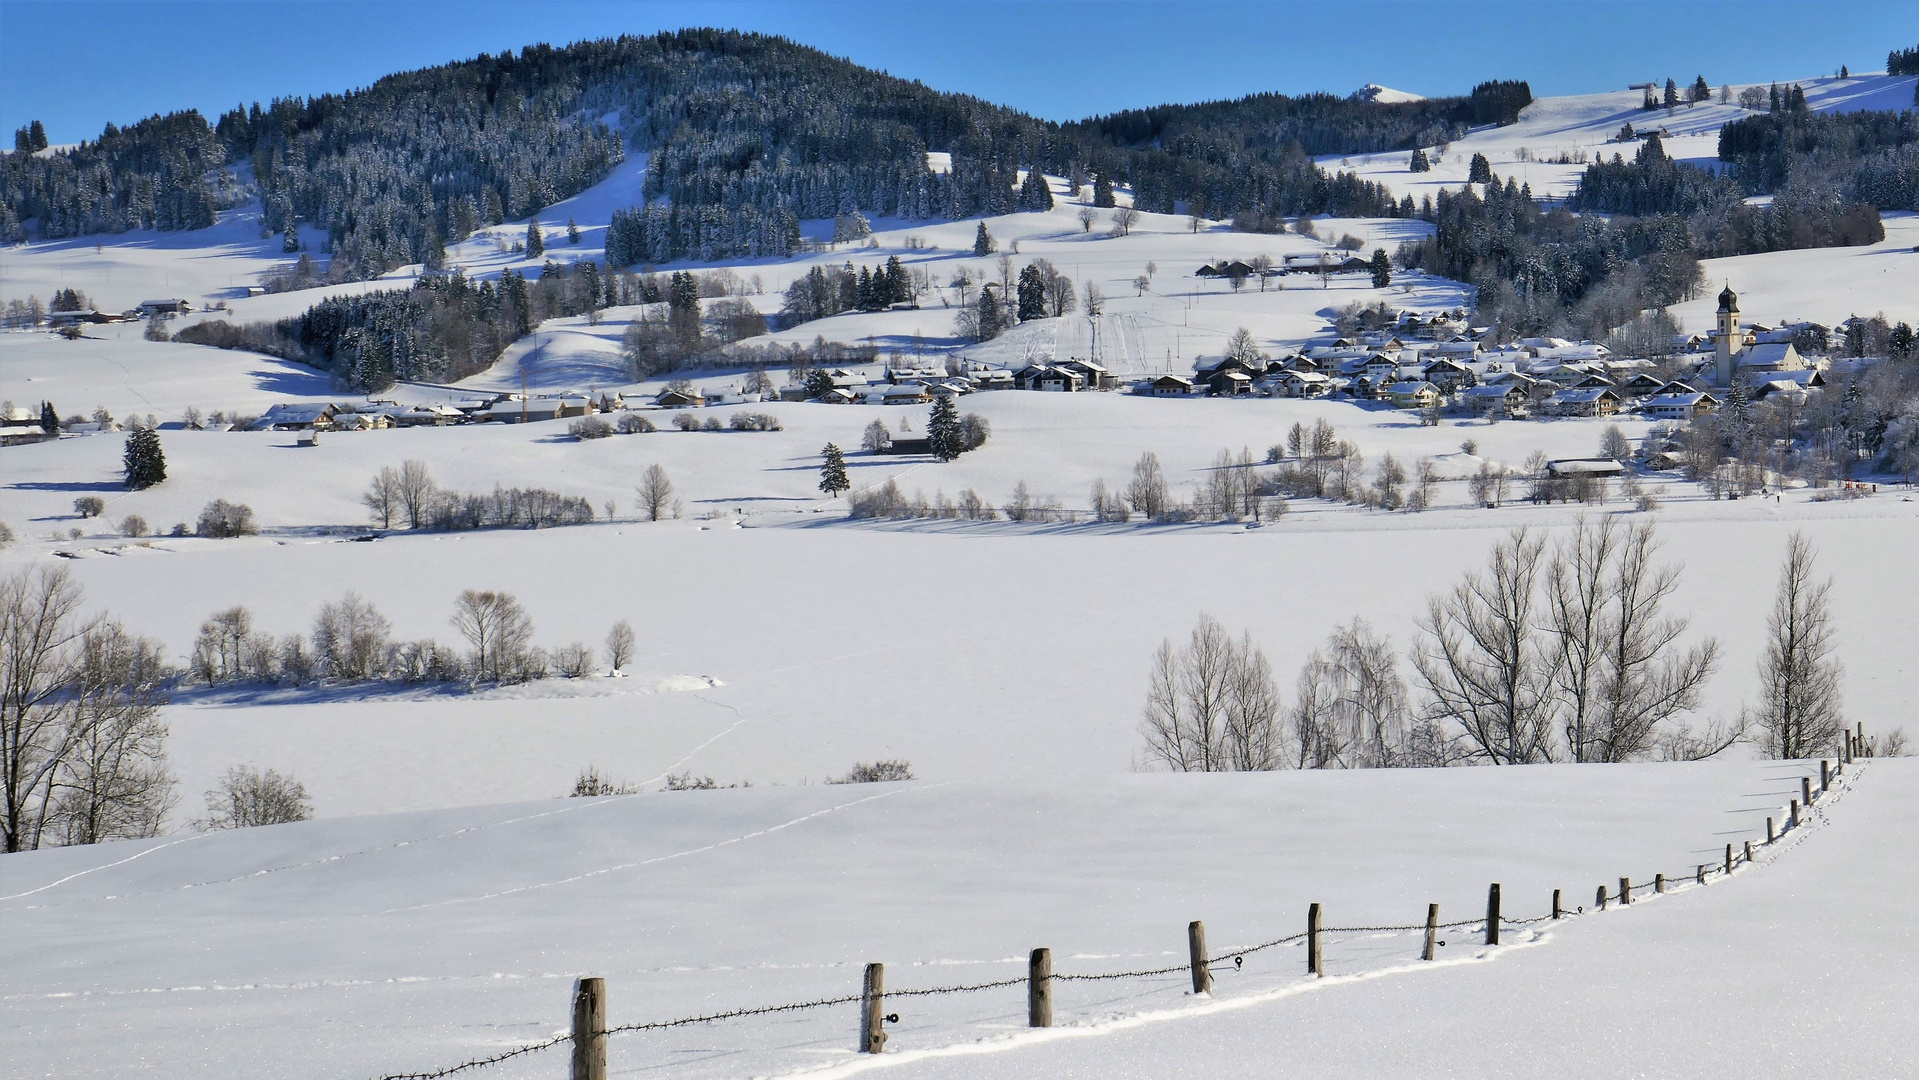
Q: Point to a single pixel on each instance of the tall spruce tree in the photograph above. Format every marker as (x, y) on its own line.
(943, 435)
(833, 471)
(1420, 162)
(291, 242)
(983, 244)
(1382, 268)
(1032, 293)
(49, 418)
(1103, 192)
(1480, 171)
(145, 463)
(535, 240)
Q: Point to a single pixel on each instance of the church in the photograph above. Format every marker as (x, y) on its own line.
(1736, 354)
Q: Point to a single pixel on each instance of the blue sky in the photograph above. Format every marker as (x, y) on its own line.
(76, 65)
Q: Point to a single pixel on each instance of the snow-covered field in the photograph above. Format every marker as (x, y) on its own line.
(366, 946)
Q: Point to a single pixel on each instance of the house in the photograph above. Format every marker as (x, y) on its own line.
(1412, 395)
(1678, 406)
(530, 410)
(165, 307)
(1584, 467)
(900, 394)
(680, 399)
(610, 401)
(794, 392)
(297, 416)
(1448, 375)
(367, 421)
(19, 434)
(1601, 401)
(1229, 382)
(1506, 398)
(909, 443)
(1095, 375)
(992, 379)
(1381, 366)
(1049, 378)
(1640, 385)
(1170, 386)
(1304, 384)
(839, 395)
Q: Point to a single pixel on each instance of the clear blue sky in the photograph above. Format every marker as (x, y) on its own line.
(76, 65)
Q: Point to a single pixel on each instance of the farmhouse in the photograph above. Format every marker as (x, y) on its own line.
(1412, 395)
(1598, 401)
(297, 416)
(1679, 406)
(1170, 386)
(1496, 399)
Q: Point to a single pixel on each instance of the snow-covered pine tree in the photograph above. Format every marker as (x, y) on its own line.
(572, 231)
(145, 463)
(983, 244)
(943, 434)
(535, 240)
(1420, 162)
(1103, 192)
(833, 471)
(1480, 171)
(291, 243)
(1032, 293)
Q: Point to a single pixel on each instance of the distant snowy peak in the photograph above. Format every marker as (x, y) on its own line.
(1384, 95)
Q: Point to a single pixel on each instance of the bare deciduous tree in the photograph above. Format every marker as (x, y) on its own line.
(248, 797)
(620, 644)
(1147, 492)
(656, 492)
(1124, 218)
(80, 743)
(1087, 215)
(382, 497)
(350, 639)
(499, 630)
(416, 491)
(1799, 677)
(1351, 710)
(1212, 706)
(1485, 661)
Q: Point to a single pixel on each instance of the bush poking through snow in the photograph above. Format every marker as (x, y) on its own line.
(878, 772)
(634, 424)
(753, 421)
(247, 797)
(222, 520)
(589, 427)
(573, 661)
(133, 525)
(590, 784)
(686, 781)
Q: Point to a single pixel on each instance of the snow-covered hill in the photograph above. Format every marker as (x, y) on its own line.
(1384, 95)
(401, 942)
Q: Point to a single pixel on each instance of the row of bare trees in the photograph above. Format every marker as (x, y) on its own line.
(353, 642)
(1559, 651)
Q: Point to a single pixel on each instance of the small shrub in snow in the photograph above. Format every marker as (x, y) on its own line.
(686, 781)
(89, 506)
(221, 520)
(878, 772)
(686, 421)
(180, 529)
(712, 424)
(6, 535)
(591, 784)
(133, 525)
(573, 661)
(247, 797)
(634, 424)
(589, 427)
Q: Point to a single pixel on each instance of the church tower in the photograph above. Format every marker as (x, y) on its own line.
(1729, 341)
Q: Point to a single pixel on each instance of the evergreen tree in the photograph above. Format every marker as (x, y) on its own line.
(1845, 72)
(535, 240)
(899, 281)
(819, 384)
(833, 471)
(572, 231)
(50, 418)
(291, 243)
(435, 259)
(992, 318)
(1649, 103)
(943, 433)
(1671, 100)
(145, 464)
(1626, 132)
(1774, 106)
(1103, 192)
(983, 244)
(1032, 293)
(37, 136)
(1701, 91)
(1382, 268)
(1420, 162)
(867, 301)
(1480, 171)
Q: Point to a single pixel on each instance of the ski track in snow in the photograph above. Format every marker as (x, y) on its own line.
(716, 845)
(104, 866)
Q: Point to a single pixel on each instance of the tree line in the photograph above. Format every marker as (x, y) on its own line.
(1563, 651)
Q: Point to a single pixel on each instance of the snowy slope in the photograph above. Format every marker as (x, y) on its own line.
(1826, 285)
(357, 947)
(1585, 124)
(1384, 95)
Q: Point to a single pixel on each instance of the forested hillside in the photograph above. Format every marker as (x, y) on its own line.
(747, 134)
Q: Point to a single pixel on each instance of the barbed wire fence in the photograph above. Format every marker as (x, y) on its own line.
(589, 1033)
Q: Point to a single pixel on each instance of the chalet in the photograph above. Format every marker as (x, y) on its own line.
(1170, 386)
(1448, 375)
(297, 416)
(165, 307)
(1496, 399)
(366, 421)
(1602, 401)
(1381, 366)
(1412, 395)
(1049, 378)
(839, 395)
(1304, 384)
(1678, 406)
(1229, 382)
(1640, 385)
(992, 379)
(908, 443)
(1775, 356)
(1096, 375)
(900, 394)
(680, 399)
(610, 401)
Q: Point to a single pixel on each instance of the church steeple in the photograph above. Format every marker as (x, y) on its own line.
(1728, 339)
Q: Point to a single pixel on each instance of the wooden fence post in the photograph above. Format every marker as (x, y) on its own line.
(589, 1029)
(1728, 858)
(1313, 964)
(1432, 930)
(1039, 989)
(1805, 790)
(1492, 914)
(873, 1010)
(1825, 775)
(1748, 851)
(1659, 884)
(1557, 909)
(1769, 833)
(1792, 822)
(1625, 891)
(1599, 899)
(1196, 947)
